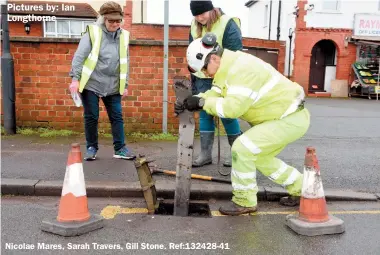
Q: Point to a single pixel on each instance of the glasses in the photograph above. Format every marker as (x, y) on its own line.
(118, 21)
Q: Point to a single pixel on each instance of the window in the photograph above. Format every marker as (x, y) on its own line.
(65, 28)
(330, 5)
(266, 15)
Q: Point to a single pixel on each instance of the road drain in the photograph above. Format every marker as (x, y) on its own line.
(196, 209)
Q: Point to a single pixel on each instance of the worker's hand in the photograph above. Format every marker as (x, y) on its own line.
(192, 103)
(178, 108)
(125, 94)
(74, 86)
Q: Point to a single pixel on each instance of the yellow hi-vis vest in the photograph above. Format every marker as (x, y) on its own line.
(218, 29)
(90, 63)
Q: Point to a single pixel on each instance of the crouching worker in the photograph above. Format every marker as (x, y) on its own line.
(274, 106)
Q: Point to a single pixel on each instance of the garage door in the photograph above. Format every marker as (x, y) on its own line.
(269, 56)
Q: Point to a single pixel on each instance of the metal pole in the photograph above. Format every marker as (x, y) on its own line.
(270, 19)
(7, 77)
(279, 20)
(290, 51)
(378, 77)
(166, 65)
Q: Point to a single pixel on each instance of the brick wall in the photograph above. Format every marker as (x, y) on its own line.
(42, 66)
(43, 99)
(305, 40)
(17, 29)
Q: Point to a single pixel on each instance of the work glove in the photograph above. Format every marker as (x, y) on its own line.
(178, 108)
(192, 103)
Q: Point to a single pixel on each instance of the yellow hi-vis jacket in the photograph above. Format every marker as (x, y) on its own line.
(218, 29)
(89, 65)
(248, 88)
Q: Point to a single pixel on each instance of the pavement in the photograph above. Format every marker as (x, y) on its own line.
(131, 232)
(343, 131)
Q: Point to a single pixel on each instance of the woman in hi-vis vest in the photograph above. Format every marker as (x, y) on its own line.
(227, 29)
(100, 69)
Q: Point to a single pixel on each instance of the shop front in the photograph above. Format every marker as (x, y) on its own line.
(365, 71)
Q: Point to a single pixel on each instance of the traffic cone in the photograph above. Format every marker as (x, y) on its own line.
(73, 217)
(313, 217)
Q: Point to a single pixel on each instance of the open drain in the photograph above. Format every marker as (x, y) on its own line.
(157, 205)
(196, 209)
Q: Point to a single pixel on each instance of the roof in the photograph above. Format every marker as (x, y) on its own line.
(250, 3)
(82, 10)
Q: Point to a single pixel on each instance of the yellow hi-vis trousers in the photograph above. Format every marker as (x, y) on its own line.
(257, 148)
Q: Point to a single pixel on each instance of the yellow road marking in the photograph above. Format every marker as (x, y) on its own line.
(109, 212)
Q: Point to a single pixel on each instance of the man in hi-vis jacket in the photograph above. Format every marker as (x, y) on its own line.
(246, 87)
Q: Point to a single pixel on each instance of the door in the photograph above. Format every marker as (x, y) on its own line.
(317, 69)
(269, 56)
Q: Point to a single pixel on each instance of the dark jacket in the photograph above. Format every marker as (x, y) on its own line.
(232, 40)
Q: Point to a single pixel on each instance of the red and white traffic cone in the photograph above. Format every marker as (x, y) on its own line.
(73, 217)
(313, 218)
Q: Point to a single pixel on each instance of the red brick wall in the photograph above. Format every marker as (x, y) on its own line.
(17, 29)
(305, 40)
(42, 97)
(42, 67)
(267, 44)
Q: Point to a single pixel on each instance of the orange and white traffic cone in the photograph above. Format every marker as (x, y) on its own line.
(73, 217)
(313, 217)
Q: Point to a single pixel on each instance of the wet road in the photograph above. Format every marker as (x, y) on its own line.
(264, 233)
(345, 134)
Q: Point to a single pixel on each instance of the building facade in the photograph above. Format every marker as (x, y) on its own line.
(68, 20)
(42, 64)
(329, 37)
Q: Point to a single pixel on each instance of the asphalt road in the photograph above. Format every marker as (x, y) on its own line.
(345, 133)
(265, 233)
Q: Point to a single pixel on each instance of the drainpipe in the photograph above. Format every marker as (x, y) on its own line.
(290, 49)
(279, 20)
(142, 11)
(7, 76)
(270, 19)
(166, 66)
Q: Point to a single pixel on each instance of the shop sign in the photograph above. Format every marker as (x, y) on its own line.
(367, 25)
(377, 89)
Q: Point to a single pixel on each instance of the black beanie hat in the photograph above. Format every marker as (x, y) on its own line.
(198, 7)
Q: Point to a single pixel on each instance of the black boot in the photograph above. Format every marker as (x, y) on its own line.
(234, 209)
(205, 156)
(231, 140)
(290, 201)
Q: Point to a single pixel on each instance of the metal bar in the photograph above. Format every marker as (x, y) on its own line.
(194, 176)
(166, 66)
(182, 88)
(7, 76)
